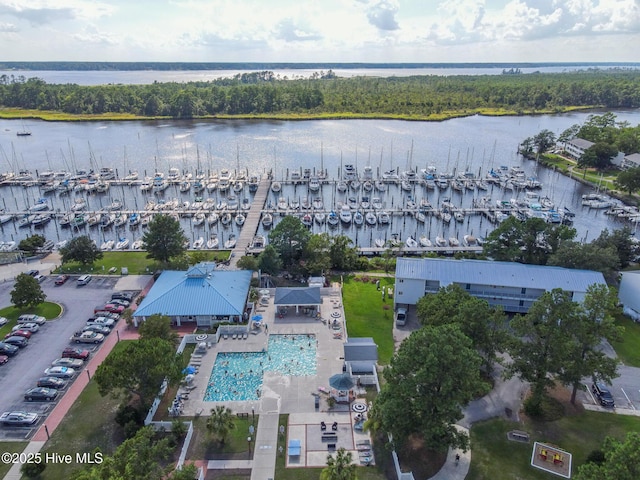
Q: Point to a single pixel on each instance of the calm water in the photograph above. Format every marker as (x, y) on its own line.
(475, 144)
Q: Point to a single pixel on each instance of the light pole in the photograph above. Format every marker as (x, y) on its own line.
(249, 442)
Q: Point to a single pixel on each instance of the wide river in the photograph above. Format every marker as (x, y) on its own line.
(475, 144)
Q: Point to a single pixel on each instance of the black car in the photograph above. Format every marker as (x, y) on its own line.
(33, 273)
(603, 394)
(52, 382)
(17, 341)
(122, 296)
(7, 349)
(40, 394)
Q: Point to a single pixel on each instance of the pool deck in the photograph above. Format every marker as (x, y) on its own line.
(293, 395)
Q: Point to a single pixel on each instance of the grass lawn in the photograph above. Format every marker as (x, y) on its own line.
(47, 310)
(136, 262)
(10, 447)
(628, 348)
(496, 457)
(235, 447)
(367, 314)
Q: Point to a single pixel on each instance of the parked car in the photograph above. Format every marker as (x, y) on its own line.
(119, 301)
(87, 337)
(3, 321)
(18, 333)
(52, 382)
(104, 313)
(103, 321)
(40, 278)
(122, 296)
(110, 307)
(8, 349)
(31, 318)
(94, 327)
(18, 341)
(603, 394)
(31, 327)
(61, 279)
(33, 273)
(3, 359)
(73, 352)
(60, 372)
(18, 418)
(39, 394)
(67, 362)
(83, 280)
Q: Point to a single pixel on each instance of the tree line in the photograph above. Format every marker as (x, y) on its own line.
(263, 93)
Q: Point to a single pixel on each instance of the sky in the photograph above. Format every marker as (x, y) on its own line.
(377, 31)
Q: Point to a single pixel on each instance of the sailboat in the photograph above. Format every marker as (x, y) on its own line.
(24, 132)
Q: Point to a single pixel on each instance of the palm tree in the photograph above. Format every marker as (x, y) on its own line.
(220, 423)
(340, 467)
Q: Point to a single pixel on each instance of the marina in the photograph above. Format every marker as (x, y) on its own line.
(230, 183)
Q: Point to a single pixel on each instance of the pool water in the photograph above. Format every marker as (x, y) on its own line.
(237, 376)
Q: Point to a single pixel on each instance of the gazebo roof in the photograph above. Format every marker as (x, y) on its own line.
(297, 296)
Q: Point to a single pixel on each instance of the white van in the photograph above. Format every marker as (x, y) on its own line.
(84, 279)
(401, 317)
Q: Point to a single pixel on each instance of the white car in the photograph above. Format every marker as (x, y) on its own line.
(3, 321)
(102, 321)
(30, 327)
(60, 372)
(30, 317)
(67, 362)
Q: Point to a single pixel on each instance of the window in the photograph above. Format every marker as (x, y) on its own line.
(468, 286)
(401, 280)
(523, 291)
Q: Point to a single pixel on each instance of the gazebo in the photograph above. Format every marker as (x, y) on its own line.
(306, 298)
(341, 385)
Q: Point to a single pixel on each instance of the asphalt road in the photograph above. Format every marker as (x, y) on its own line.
(23, 370)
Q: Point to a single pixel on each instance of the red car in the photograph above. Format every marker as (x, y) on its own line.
(19, 333)
(73, 352)
(110, 307)
(3, 359)
(61, 279)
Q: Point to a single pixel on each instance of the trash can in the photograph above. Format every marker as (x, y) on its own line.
(317, 400)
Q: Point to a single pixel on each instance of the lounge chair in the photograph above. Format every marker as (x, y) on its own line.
(225, 336)
(234, 336)
(334, 427)
(245, 336)
(323, 390)
(323, 426)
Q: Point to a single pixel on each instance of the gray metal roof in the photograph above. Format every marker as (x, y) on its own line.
(483, 272)
(297, 296)
(581, 143)
(360, 349)
(200, 291)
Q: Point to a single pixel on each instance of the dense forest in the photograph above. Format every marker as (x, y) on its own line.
(324, 94)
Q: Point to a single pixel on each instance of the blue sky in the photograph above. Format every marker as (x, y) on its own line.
(320, 30)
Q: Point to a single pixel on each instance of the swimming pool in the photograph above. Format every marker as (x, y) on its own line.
(237, 376)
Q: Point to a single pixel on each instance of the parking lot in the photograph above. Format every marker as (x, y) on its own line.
(28, 365)
(625, 390)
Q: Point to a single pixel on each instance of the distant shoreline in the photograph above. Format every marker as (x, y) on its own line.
(260, 66)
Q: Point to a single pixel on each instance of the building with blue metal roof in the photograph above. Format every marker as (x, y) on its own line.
(201, 296)
(514, 286)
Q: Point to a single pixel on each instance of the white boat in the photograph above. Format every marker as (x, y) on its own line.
(276, 187)
(319, 217)
(146, 185)
(258, 241)
(107, 173)
(230, 242)
(314, 184)
(307, 220)
(160, 184)
(267, 220)
(40, 219)
(345, 214)
(420, 217)
(224, 180)
(411, 242)
(333, 219)
(441, 241)
(282, 206)
(132, 176)
(470, 241)
(213, 218)
(213, 242)
(380, 186)
(253, 183)
(358, 219)
(424, 241)
(376, 203)
(383, 218)
(240, 219)
(39, 206)
(115, 205)
(367, 186)
(122, 243)
(173, 175)
(225, 218)
(454, 242)
(137, 245)
(185, 186)
(107, 245)
(134, 219)
(342, 186)
(198, 244)
(379, 242)
(198, 219)
(405, 185)
(120, 220)
(238, 186)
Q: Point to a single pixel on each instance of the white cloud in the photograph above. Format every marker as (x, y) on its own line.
(8, 27)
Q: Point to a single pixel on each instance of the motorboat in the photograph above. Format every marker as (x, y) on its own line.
(424, 241)
(122, 244)
(314, 184)
(137, 245)
(107, 245)
(333, 219)
(120, 220)
(230, 242)
(441, 241)
(307, 220)
(132, 176)
(267, 220)
(470, 241)
(213, 218)
(213, 242)
(259, 241)
(240, 219)
(379, 242)
(319, 217)
(199, 219)
(454, 242)
(225, 219)
(134, 219)
(345, 214)
(358, 219)
(115, 205)
(411, 242)
(276, 187)
(370, 218)
(198, 244)
(384, 218)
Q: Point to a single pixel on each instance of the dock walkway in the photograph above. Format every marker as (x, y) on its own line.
(252, 221)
